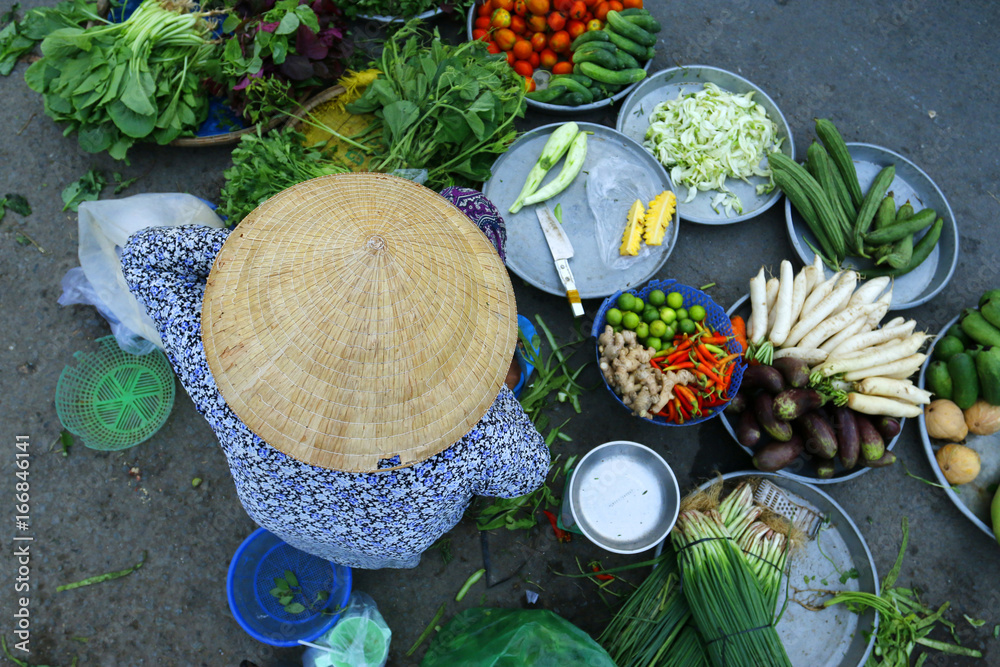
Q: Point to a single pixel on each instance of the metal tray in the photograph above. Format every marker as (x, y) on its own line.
(668, 84)
(911, 183)
(423, 16)
(972, 499)
(542, 81)
(623, 497)
(834, 637)
(801, 469)
(527, 252)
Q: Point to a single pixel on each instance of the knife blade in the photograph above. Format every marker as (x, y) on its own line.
(562, 252)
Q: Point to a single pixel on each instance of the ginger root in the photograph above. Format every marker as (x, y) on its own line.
(626, 368)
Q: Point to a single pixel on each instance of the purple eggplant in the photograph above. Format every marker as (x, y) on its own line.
(793, 403)
(825, 468)
(795, 371)
(748, 433)
(887, 427)
(763, 404)
(763, 377)
(887, 459)
(738, 404)
(848, 445)
(776, 455)
(872, 445)
(820, 439)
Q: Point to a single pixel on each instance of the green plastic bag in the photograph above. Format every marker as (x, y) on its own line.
(483, 637)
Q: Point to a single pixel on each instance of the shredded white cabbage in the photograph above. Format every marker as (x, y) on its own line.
(705, 137)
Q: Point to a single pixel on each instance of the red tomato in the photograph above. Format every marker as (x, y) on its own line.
(492, 47)
(521, 8)
(510, 58)
(548, 58)
(601, 11)
(536, 23)
(632, 4)
(615, 5)
(594, 24)
(504, 4)
(534, 59)
(481, 35)
(539, 41)
(560, 41)
(591, 3)
(483, 22)
(563, 5)
(556, 21)
(500, 18)
(577, 10)
(505, 39)
(575, 28)
(538, 7)
(524, 68)
(518, 25)
(529, 84)
(564, 67)
(522, 49)
(485, 9)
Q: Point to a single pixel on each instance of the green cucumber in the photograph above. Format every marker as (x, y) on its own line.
(589, 36)
(979, 329)
(874, 196)
(634, 49)
(939, 380)
(625, 60)
(606, 46)
(600, 57)
(948, 347)
(579, 78)
(644, 21)
(616, 77)
(572, 165)
(629, 30)
(573, 86)
(991, 311)
(904, 212)
(988, 370)
(956, 331)
(964, 380)
(547, 96)
(634, 11)
(987, 295)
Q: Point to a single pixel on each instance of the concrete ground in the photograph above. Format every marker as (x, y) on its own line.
(911, 75)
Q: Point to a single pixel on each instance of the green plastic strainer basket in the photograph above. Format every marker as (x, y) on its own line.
(112, 399)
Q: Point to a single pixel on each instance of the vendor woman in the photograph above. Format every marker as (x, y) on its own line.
(349, 343)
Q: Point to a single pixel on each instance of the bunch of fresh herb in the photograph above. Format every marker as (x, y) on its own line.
(116, 83)
(277, 52)
(264, 165)
(404, 8)
(447, 109)
(17, 38)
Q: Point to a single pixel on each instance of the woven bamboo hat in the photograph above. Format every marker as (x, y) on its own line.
(357, 317)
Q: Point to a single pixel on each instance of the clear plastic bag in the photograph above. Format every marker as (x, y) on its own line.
(104, 227)
(360, 638)
(613, 185)
(77, 290)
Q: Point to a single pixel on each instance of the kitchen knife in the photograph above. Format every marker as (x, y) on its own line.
(562, 252)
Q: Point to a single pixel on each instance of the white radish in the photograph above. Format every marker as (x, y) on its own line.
(758, 306)
(874, 337)
(896, 321)
(814, 273)
(783, 305)
(903, 373)
(820, 312)
(874, 356)
(891, 369)
(869, 291)
(859, 325)
(811, 357)
(773, 285)
(819, 292)
(833, 324)
(849, 277)
(885, 301)
(903, 390)
(881, 406)
(800, 289)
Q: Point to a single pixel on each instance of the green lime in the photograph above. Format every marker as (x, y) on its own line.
(668, 315)
(657, 328)
(686, 326)
(626, 301)
(696, 313)
(613, 317)
(669, 334)
(630, 320)
(638, 306)
(641, 330)
(656, 298)
(682, 314)
(650, 314)
(654, 343)
(675, 300)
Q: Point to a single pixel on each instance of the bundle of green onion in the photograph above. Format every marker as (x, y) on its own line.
(726, 599)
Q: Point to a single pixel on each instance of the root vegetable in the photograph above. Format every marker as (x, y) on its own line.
(772, 287)
(811, 357)
(851, 278)
(875, 356)
(757, 328)
(904, 390)
(879, 405)
(901, 369)
(819, 292)
(859, 325)
(869, 291)
(832, 324)
(884, 302)
(822, 310)
(800, 289)
(783, 305)
(874, 337)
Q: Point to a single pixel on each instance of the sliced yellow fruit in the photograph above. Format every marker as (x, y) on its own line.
(632, 237)
(658, 217)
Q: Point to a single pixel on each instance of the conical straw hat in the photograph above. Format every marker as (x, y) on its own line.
(356, 317)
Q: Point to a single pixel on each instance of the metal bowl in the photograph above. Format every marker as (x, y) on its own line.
(834, 637)
(541, 78)
(911, 183)
(972, 499)
(668, 84)
(802, 469)
(624, 497)
(430, 13)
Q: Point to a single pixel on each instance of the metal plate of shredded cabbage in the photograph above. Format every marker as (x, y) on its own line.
(744, 124)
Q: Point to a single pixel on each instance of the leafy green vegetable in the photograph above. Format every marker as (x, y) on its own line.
(17, 203)
(264, 165)
(447, 109)
(403, 8)
(88, 188)
(122, 184)
(115, 83)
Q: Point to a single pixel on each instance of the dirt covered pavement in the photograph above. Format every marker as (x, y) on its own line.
(913, 76)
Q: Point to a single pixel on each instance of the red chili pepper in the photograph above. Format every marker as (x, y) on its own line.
(676, 356)
(561, 534)
(652, 362)
(715, 340)
(601, 577)
(677, 367)
(709, 373)
(705, 355)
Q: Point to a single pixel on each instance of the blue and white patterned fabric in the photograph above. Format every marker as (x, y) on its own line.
(370, 520)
